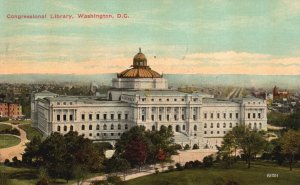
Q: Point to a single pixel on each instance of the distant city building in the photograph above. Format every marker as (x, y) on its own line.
(140, 96)
(10, 110)
(279, 94)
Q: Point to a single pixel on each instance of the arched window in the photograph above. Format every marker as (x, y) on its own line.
(98, 127)
(254, 125)
(71, 128)
(153, 128)
(230, 125)
(250, 125)
(104, 127)
(90, 127)
(224, 125)
(82, 127)
(119, 127)
(111, 127)
(195, 127)
(205, 125)
(126, 126)
(58, 128)
(65, 128)
(259, 125)
(170, 127)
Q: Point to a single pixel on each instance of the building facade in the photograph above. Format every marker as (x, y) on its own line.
(11, 110)
(140, 96)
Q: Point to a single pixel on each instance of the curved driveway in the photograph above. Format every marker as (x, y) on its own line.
(17, 150)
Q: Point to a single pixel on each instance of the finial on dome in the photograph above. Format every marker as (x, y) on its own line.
(140, 50)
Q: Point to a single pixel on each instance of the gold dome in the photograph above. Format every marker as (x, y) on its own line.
(139, 68)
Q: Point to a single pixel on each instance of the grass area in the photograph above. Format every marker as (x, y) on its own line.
(8, 141)
(16, 122)
(26, 176)
(4, 126)
(30, 131)
(257, 175)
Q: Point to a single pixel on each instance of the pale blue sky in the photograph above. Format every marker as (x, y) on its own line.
(255, 37)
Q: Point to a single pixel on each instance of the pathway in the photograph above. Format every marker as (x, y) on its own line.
(182, 157)
(17, 150)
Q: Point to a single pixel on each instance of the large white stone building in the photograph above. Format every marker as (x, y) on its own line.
(140, 96)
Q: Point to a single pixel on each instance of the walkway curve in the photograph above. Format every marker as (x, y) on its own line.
(17, 150)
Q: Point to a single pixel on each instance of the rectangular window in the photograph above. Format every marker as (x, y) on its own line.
(65, 117)
(104, 116)
(218, 115)
(82, 116)
(253, 115)
(205, 116)
(119, 116)
(126, 116)
(71, 117)
(224, 115)
(90, 116)
(159, 117)
(211, 115)
(58, 117)
(97, 116)
(112, 116)
(194, 117)
(143, 118)
(230, 115)
(183, 118)
(259, 116)
(152, 117)
(249, 115)
(168, 117)
(237, 115)
(175, 117)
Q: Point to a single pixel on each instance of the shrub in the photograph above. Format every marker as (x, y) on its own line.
(208, 161)
(195, 146)
(6, 162)
(189, 165)
(197, 164)
(186, 147)
(179, 166)
(43, 182)
(178, 147)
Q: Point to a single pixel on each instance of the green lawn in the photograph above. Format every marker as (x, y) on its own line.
(256, 175)
(4, 126)
(8, 140)
(16, 122)
(26, 176)
(30, 131)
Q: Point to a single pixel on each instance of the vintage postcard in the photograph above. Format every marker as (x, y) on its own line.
(161, 92)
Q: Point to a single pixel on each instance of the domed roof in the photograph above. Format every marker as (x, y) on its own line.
(139, 68)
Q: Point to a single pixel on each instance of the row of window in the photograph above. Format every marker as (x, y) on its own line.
(218, 125)
(212, 132)
(104, 134)
(254, 115)
(90, 116)
(112, 127)
(168, 99)
(218, 115)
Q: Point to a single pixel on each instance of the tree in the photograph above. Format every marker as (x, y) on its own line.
(251, 144)
(114, 165)
(31, 155)
(291, 145)
(136, 152)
